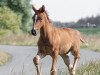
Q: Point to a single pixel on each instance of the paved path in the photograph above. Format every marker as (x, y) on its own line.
(22, 63)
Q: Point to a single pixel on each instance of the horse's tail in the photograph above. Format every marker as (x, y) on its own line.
(81, 38)
(84, 41)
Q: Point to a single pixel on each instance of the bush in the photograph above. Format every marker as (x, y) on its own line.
(9, 20)
(21, 8)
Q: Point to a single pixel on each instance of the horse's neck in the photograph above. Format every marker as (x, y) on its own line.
(46, 31)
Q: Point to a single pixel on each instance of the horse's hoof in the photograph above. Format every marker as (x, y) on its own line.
(72, 72)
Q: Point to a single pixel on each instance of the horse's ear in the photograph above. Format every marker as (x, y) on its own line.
(34, 9)
(42, 9)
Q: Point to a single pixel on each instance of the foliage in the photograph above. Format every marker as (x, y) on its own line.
(21, 8)
(9, 20)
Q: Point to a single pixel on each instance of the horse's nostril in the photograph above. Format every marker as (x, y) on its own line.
(33, 32)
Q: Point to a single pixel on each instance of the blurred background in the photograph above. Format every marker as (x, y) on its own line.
(16, 18)
(83, 15)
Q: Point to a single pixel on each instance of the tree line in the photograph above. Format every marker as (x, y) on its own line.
(90, 22)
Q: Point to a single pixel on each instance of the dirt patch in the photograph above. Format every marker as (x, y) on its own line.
(4, 57)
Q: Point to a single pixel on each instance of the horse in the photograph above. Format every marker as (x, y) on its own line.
(55, 41)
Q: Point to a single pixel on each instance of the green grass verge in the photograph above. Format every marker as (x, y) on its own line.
(92, 68)
(92, 36)
(89, 31)
(4, 58)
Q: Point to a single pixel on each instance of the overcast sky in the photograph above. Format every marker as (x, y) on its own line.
(69, 10)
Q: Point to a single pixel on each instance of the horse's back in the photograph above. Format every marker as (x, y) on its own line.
(68, 38)
(67, 33)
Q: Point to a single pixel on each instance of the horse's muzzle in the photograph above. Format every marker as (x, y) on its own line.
(33, 32)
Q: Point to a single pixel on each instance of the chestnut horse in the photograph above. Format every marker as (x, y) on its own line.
(55, 41)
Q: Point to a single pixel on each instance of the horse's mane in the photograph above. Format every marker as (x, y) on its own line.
(47, 16)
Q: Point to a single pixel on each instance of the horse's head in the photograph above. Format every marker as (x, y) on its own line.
(38, 19)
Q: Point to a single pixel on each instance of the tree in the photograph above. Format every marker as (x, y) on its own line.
(21, 8)
(9, 20)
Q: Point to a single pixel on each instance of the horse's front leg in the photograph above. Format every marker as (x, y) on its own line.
(36, 61)
(54, 62)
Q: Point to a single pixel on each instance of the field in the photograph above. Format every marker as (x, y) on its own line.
(91, 35)
(19, 39)
(90, 31)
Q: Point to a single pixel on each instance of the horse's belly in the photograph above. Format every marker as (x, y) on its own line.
(65, 48)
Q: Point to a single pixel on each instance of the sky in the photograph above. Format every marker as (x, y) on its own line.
(69, 10)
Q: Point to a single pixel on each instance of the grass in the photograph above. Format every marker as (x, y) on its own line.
(19, 39)
(91, 68)
(4, 57)
(92, 36)
(89, 31)
(93, 42)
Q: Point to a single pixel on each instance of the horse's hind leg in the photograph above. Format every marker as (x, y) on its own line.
(67, 61)
(76, 54)
(36, 61)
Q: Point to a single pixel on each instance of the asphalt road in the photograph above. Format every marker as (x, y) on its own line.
(22, 61)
